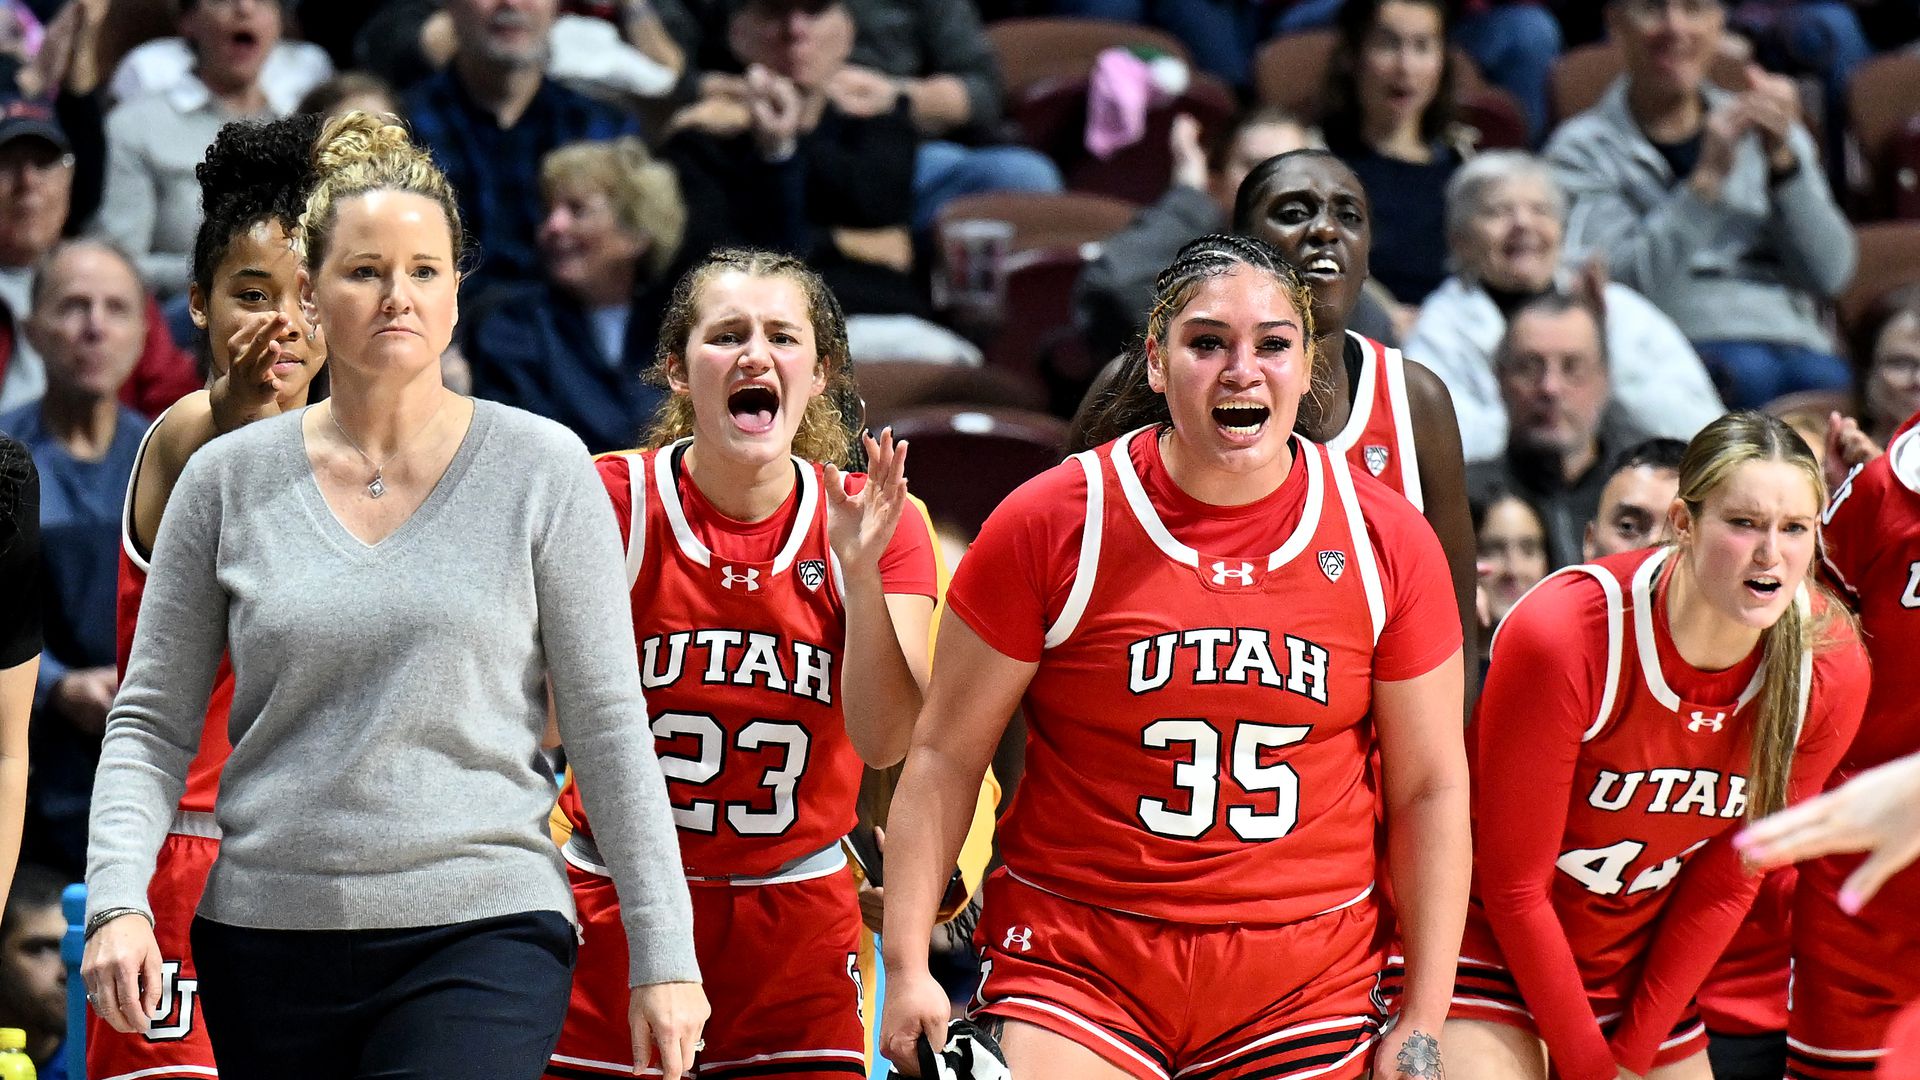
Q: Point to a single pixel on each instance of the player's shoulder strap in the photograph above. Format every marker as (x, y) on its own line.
(1363, 554)
(1088, 566)
(1616, 636)
(636, 509)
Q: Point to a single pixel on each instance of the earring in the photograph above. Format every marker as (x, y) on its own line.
(309, 335)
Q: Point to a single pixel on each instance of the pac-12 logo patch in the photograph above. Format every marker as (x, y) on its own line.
(1333, 564)
(812, 572)
(1375, 456)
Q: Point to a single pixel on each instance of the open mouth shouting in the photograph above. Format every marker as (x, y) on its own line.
(1762, 587)
(1323, 269)
(753, 406)
(1242, 420)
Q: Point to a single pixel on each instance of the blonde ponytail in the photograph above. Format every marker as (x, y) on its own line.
(1712, 456)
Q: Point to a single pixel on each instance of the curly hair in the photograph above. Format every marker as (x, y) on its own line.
(254, 172)
(829, 428)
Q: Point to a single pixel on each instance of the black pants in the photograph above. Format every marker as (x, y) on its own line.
(482, 999)
(1747, 1057)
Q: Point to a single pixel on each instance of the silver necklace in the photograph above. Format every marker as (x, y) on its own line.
(378, 485)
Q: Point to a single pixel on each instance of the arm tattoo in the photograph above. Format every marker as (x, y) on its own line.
(1419, 1057)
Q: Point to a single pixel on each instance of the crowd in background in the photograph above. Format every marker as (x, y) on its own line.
(1589, 287)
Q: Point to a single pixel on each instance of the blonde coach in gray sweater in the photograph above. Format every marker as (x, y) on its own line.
(397, 574)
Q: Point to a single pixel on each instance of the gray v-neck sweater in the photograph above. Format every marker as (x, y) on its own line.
(389, 699)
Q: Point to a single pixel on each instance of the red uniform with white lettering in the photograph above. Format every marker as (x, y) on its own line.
(1189, 856)
(1609, 776)
(1853, 974)
(740, 630)
(1379, 432)
(176, 1045)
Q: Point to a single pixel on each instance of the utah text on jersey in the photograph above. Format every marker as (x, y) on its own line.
(739, 658)
(1201, 651)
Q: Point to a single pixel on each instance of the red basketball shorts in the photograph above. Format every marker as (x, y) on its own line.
(778, 965)
(176, 1045)
(1160, 999)
(1484, 990)
(1852, 974)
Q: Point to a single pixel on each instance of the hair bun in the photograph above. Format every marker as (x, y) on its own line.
(356, 138)
(249, 156)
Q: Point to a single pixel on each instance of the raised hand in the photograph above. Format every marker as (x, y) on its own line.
(1877, 811)
(1847, 448)
(249, 390)
(861, 526)
(774, 106)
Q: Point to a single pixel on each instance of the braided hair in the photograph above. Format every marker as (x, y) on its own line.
(1127, 401)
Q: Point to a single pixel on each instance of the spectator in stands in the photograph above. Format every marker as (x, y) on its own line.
(348, 91)
(65, 74)
(1822, 38)
(151, 205)
(1642, 483)
(88, 323)
(1389, 115)
(1552, 368)
(1890, 344)
(491, 117)
(846, 152)
(934, 53)
(574, 347)
(1504, 215)
(1709, 202)
(291, 68)
(1511, 541)
(33, 978)
(1115, 291)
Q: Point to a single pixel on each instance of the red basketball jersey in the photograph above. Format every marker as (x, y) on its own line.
(1606, 770)
(1199, 726)
(741, 663)
(1872, 532)
(203, 776)
(1379, 432)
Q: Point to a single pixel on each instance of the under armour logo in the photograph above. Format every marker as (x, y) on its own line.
(1239, 575)
(1701, 721)
(1333, 564)
(1018, 935)
(1376, 458)
(812, 572)
(732, 579)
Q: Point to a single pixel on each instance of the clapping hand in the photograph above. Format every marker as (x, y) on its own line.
(860, 526)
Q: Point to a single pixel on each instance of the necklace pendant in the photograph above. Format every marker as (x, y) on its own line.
(376, 487)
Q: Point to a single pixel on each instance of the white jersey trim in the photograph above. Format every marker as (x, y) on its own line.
(1156, 530)
(1362, 542)
(1643, 641)
(194, 823)
(690, 545)
(133, 481)
(1616, 633)
(1089, 565)
(1903, 457)
(1407, 452)
(637, 516)
(1845, 1055)
(1362, 399)
(166, 1070)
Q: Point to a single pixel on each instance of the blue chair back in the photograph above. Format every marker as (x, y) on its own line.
(73, 903)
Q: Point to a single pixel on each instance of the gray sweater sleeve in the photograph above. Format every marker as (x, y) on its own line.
(586, 631)
(153, 730)
(1648, 252)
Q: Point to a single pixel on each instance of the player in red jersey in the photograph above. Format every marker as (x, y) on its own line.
(1208, 623)
(781, 609)
(262, 356)
(1636, 708)
(1856, 963)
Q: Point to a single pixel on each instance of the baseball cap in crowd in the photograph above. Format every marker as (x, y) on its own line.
(23, 118)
